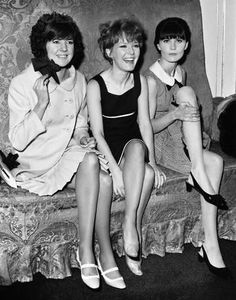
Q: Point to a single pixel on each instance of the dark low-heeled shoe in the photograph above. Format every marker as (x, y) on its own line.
(220, 272)
(216, 199)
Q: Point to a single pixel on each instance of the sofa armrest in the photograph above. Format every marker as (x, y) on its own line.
(215, 133)
(219, 104)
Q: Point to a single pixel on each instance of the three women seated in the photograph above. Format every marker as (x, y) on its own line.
(138, 121)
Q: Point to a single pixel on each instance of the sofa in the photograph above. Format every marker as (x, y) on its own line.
(40, 234)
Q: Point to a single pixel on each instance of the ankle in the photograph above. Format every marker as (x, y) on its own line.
(86, 255)
(202, 179)
(106, 260)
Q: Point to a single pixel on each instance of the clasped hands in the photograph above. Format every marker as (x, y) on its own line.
(118, 183)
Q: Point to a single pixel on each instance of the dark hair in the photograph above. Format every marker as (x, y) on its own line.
(56, 26)
(172, 28)
(110, 33)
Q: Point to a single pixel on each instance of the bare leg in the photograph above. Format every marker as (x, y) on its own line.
(102, 226)
(207, 169)
(146, 192)
(133, 174)
(87, 196)
(193, 140)
(149, 177)
(214, 169)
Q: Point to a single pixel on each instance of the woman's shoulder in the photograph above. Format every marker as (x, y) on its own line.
(181, 69)
(98, 80)
(94, 83)
(149, 73)
(141, 78)
(150, 76)
(182, 74)
(25, 77)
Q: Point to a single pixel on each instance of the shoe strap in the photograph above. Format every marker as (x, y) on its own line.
(88, 266)
(111, 279)
(114, 279)
(110, 270)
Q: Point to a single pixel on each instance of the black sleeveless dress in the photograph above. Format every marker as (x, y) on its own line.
(119, 114)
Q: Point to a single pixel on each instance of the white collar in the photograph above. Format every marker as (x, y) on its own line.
(157, 69)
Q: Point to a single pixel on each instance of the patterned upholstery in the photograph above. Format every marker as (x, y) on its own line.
(40, 234)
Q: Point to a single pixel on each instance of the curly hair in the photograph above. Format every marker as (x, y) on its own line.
(110, 33)
(56, 26)
(172, 28)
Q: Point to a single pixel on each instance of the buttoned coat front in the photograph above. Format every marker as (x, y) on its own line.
(49, 150)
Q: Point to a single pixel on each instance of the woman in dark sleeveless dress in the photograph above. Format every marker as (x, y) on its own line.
(119, 118)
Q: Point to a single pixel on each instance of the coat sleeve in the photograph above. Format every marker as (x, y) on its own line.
(24, 124)
(81, 126)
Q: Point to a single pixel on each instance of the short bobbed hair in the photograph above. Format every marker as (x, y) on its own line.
(172, 28)
(56, 26)
(111, 33)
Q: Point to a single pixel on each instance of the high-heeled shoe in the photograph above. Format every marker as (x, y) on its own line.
(134, 264)
(114, 282)
(216, 199)
(220, 272)
(92, 281)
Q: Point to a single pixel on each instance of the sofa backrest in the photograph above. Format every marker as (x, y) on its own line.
(17, 18)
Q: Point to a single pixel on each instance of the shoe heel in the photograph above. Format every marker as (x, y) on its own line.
(134, 265)
(220, 272)
(92, 281)
(115, 282)
(188, 187)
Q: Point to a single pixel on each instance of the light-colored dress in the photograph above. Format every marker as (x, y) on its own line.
(48, 149)
(169, 147)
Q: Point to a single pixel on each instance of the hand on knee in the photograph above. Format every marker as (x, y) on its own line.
(186, 95)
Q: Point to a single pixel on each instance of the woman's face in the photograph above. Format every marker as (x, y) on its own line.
(172, 50)
(124, 54)
(61, 51)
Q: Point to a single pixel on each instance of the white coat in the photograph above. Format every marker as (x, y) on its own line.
(48, 149)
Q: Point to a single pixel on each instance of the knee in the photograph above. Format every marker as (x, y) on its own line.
(91, 160)
(138, 148)
(186, 95)
(216, 161)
